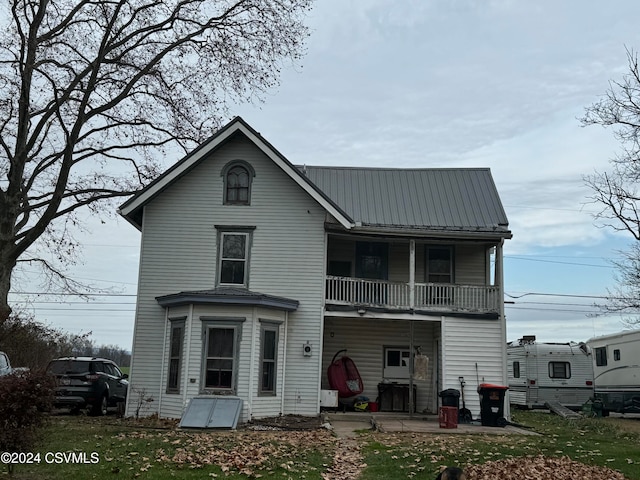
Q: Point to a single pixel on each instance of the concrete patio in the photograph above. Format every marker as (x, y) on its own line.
(346, 424)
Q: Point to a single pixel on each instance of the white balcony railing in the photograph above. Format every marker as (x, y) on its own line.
(428, 296)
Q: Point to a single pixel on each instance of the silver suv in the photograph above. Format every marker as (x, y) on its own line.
(88, 382)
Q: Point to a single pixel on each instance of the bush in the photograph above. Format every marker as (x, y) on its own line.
(25, 397)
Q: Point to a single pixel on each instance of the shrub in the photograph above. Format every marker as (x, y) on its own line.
(25, 397)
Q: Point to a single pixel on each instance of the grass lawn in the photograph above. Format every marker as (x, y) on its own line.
(124, 450)
(610, 442)
(127, 451)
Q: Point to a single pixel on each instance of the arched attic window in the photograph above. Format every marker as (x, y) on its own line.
(238, 176)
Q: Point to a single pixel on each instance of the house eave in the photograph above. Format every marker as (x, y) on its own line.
(449, 233)
(214, 297)
(132, 208)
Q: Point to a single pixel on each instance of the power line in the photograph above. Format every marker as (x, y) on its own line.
(557, 262)
(604, 297)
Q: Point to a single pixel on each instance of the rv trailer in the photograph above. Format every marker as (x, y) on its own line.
(616, 366)
(549, 372)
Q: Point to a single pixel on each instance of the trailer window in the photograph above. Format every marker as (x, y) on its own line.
(601, 356)
(516, 369)
(616, 354)
(559, 370)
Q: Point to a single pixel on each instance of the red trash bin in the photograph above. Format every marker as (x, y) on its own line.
(448, 417)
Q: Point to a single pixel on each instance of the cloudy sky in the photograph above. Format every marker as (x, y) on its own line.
(450, 83)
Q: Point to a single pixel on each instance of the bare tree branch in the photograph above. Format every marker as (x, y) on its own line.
(93, 91)
(616, 191)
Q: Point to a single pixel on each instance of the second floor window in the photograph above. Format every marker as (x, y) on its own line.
(234, 256)
(439, 265)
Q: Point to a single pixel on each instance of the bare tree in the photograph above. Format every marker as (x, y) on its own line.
(93, 92)
(616, 191)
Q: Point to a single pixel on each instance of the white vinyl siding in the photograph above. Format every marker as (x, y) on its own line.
(473, 349)
(179, 253)
(365, 340)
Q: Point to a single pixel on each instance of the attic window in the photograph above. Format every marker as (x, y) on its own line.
(238, 176)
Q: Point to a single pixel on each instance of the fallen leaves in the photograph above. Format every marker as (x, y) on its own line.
(248, 453)
(539, 468)
(347, 461)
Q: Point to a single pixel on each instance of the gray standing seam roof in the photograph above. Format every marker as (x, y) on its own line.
(432, 199)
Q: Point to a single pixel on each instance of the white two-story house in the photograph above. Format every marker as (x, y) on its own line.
(255, 272)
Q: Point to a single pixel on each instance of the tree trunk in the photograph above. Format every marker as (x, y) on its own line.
(6, 268)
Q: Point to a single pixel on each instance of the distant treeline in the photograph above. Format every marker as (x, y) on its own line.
(32, 344)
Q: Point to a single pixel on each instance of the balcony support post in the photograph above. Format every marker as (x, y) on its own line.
(412, 274)
(411, 367)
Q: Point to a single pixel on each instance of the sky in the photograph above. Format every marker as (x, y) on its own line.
(421, 84)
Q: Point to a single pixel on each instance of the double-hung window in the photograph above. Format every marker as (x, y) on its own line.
(268, 358)
(234, 244)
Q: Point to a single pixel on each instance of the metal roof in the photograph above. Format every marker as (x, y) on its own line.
(456, 199)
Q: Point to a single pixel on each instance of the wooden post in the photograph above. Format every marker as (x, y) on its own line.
(412, 273)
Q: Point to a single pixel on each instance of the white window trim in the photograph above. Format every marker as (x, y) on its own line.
(396, 372)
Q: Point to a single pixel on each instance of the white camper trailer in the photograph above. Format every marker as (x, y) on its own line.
(549, 372)
(616, 366)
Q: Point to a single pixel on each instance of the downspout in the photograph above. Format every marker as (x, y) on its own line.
(252, 368)
(284, 363)
(187, 356)
(164, 360)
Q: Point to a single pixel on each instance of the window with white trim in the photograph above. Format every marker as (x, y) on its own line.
(396, 362)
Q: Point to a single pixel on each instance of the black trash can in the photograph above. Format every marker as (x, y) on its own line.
(450, 398)
(492, 404)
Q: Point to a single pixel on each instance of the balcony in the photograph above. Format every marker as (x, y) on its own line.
(435, 297)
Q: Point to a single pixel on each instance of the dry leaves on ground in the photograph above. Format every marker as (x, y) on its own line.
(347, 462)
(539, 468)
(249, 453)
